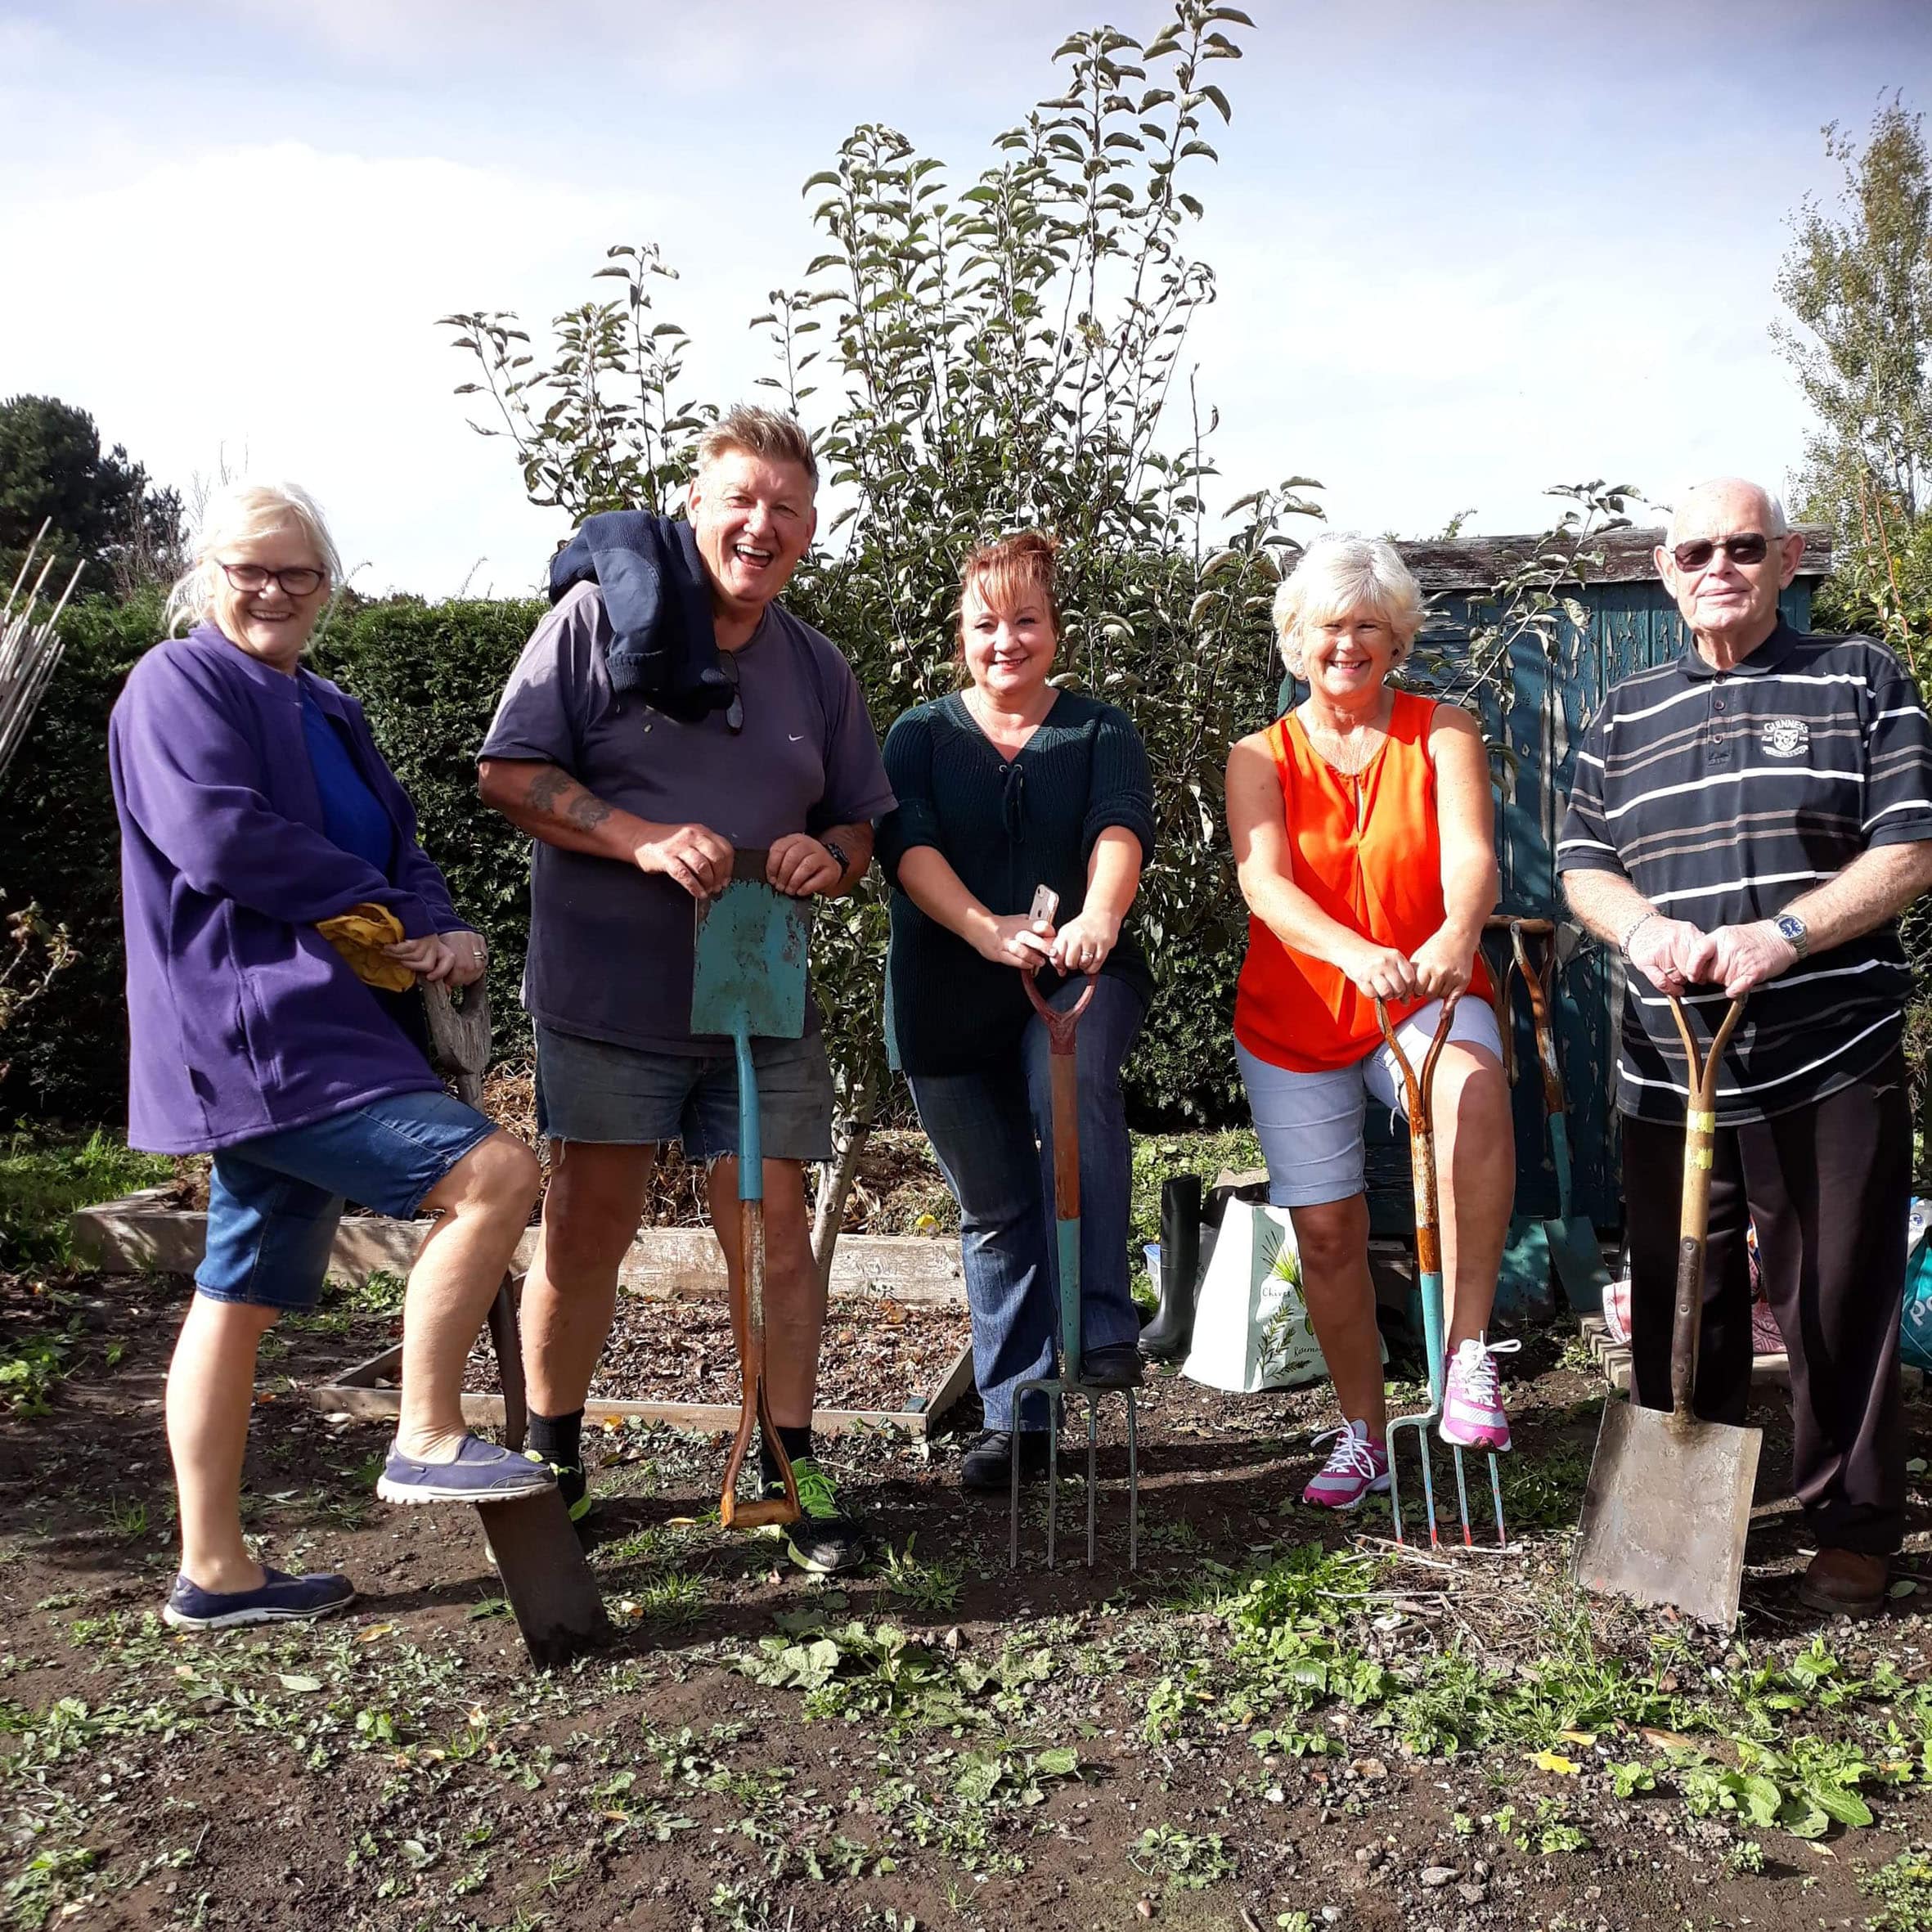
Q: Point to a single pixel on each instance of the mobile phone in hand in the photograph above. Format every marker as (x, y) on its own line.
(1046, 902)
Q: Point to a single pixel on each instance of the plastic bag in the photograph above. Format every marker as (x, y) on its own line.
(1251, 1329)
(1914, 1325)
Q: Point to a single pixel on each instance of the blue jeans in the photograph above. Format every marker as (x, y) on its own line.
(992, 1132)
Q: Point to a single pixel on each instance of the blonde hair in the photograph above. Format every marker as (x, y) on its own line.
(1004, 574)
(239, 515)
(765, 433)
(1339, 574)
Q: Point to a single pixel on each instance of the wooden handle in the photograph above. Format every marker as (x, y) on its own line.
(760, 1510)
(1701, 1121)
(1059, 1025)
(1538, 986)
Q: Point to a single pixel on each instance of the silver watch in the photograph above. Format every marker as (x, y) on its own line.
(1794, 931)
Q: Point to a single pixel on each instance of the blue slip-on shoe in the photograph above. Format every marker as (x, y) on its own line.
(481, 1472)
(282, 1599)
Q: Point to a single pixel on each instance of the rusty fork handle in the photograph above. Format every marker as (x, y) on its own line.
(1700, 1122)
(1059, 1025)
(1418, 1088)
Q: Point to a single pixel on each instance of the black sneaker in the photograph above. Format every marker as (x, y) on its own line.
(988, 1462)
(824, 1540)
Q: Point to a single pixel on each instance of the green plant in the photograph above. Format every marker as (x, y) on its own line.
(1187, 1862)
(1903, 1890)
(933, 1587)
(42, 1182)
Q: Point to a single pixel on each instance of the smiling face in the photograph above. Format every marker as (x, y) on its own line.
(1724, 600)
(1008, 650)
(1346, 658)
(269, 623)
(754, 519)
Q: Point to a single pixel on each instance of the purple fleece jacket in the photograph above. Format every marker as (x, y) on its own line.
(242, 1019)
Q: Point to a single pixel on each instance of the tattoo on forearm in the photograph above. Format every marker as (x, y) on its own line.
(546, 788)
(586, 812)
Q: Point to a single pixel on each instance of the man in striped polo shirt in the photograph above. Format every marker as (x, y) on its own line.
(1753, 817)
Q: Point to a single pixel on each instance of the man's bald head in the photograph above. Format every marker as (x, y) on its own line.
(1735, 502)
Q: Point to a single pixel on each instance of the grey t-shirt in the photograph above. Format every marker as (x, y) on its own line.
(610, 946)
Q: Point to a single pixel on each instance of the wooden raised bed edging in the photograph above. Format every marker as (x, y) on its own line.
(137, 1235)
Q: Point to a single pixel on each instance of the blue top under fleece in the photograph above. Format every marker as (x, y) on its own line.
(352, 816)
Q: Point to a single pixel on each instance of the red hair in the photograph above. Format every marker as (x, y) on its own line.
(1007, 573)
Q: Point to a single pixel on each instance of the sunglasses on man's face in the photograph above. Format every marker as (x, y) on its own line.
(1750, 547)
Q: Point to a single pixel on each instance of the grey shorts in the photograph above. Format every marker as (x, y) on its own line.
(1309, 1124)
(593, 1090)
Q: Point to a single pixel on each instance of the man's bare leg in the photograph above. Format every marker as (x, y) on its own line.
(590, 1217)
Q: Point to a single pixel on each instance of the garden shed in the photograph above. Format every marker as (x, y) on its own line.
(1632, 623)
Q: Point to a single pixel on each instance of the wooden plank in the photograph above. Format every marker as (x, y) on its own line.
(1479, 563)
(703, 1418)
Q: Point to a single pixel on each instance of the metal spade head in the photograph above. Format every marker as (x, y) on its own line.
(749, 975)
(1666, 1511)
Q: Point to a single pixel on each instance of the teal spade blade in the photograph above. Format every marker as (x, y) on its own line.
(749, 973)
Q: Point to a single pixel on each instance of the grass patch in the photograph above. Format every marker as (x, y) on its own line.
(42, 1183)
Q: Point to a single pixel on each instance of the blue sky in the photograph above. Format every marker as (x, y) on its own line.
(1466, 248)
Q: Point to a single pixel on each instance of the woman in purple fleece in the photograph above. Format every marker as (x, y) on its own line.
(254, 805)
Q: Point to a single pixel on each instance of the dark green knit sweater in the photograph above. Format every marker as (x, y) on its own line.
(1005, 826)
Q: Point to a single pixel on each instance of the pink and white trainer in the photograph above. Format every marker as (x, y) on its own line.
(1472, 1415)
(1358, 1466)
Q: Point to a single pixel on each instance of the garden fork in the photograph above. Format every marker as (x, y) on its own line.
(1428, 1245)
(1064, 1068)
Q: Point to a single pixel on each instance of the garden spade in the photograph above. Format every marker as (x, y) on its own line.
(1064, 1070)
(1669, 1497)
(1523, 1277)
(748, 981)
(552, 1594)
(1573, 1243)
(1418, 1092)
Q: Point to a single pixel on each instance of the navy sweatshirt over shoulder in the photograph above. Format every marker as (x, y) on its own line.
(1005, 826)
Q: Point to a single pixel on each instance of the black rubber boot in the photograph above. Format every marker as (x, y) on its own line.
(1168, 1337)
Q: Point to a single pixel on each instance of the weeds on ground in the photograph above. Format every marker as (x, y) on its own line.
(932, 1586)
(1903, 1890)
(344, 1303)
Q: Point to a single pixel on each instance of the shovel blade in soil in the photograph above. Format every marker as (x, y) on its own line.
(1666, 1511)
(552, 1596)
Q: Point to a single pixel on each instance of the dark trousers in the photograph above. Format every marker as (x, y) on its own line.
(1829, 1187)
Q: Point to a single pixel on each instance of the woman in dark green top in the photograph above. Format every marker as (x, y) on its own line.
(1007, 786)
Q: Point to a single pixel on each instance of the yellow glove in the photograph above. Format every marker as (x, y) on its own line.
(359, 935)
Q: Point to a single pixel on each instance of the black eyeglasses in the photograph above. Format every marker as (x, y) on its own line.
(734, 711)
(1749, 548)
(298, 582)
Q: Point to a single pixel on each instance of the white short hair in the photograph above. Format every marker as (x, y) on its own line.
(1339, 574)
(239, 513)
(1775, 524)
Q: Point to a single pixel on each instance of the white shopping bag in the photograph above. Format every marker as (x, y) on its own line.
(1251, 1329)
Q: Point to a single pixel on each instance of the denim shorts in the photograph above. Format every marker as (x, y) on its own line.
(1309, 1124)
(273, 1202)
(595, 1091)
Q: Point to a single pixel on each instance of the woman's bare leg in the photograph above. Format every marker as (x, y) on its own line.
(1332, 1240)
(484, 1204)
(211, 1392)
(1474, 1181)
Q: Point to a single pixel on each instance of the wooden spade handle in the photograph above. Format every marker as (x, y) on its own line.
(1700, 1122)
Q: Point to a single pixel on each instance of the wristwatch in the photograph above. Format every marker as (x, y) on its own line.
(837, 853)
(1794, 933)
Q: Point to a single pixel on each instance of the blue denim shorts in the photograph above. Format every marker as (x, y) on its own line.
(273, 1202)
(595, 1091)
(1309, 1124)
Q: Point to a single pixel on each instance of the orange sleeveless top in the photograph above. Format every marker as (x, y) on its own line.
(1367, 850)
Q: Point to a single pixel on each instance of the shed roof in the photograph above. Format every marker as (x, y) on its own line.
(1481, 563)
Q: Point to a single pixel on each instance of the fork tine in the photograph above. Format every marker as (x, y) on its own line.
(1496, 1490)
(1462, 1499)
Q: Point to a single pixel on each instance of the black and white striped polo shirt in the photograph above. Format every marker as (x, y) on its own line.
(1723, 796)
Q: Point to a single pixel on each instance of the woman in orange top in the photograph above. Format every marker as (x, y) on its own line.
(1363, 828)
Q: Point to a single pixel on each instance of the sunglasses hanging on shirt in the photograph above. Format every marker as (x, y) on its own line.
(734, 711)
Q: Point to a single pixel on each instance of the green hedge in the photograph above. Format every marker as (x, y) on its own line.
(428, 676)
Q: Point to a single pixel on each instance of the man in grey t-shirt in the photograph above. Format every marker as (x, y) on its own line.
(636, 814)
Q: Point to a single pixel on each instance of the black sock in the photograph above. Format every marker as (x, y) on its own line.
(797, 1445)
(558, 1438)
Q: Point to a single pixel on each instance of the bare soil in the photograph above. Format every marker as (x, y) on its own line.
(988, 1748)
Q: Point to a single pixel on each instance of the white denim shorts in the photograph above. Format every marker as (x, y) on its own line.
(1309, 1124)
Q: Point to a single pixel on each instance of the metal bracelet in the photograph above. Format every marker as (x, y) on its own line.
(1624, 944)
